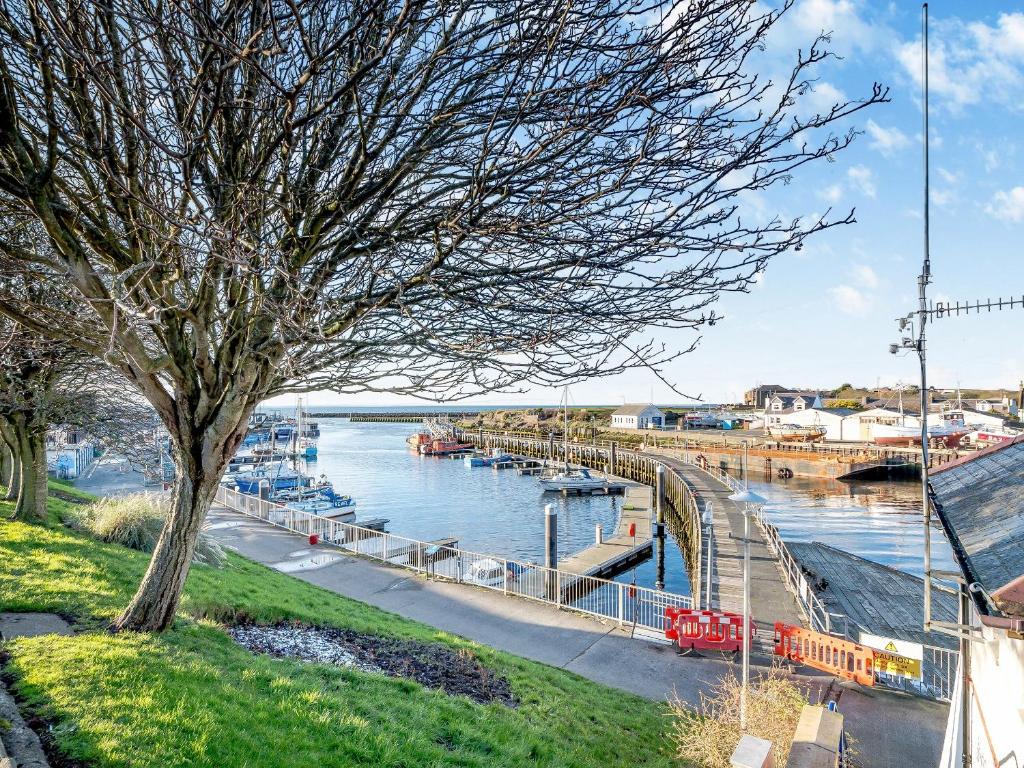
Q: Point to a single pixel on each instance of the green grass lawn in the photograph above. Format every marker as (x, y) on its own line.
(191, 697)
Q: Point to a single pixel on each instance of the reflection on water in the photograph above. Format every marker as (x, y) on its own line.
(880, 521)
(502, 513)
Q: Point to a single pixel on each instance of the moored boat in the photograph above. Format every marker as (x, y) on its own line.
(444, 447)
(572, 480)
(797, 433)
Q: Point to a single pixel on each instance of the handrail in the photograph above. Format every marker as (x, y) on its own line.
(677, 492)
(623, 603)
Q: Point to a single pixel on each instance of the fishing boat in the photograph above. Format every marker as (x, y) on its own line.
(277, 476)
(326, 504)
(414, 441)
(797, 433)
(949, 432)
(444, 447)
(567, 478)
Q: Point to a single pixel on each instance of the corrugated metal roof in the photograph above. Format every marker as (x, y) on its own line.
(980, 501)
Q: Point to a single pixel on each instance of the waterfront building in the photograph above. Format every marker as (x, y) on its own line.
(68, 454)
(638, 416)
(980, 502)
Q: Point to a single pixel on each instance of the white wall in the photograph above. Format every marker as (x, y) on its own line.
(997, 705)
(838, 427)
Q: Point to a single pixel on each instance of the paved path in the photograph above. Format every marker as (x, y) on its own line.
(911, 728)
(113, 475)
(770, 600)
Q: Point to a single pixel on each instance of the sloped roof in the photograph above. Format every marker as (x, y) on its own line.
(980, 502)
(634, 409)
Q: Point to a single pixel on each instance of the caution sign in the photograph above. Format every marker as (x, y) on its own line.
(899, 658)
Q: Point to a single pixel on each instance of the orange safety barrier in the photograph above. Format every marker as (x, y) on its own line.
(842, 658)
(706, 630)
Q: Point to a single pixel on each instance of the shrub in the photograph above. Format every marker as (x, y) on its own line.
(708, 735)
(135, 522)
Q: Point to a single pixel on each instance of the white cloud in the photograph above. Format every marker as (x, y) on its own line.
(971, 63)
(1006, 38)
(862, 178)
(865, 275)
(886, 140)
(948, 176)
(942, 197)
(842, 18)
(832, 193)
(850, 301)
(1007, 206)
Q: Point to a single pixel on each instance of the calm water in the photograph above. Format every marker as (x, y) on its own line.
(502, 513)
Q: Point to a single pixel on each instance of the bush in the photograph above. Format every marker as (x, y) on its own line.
(707, 736)
(135, 522)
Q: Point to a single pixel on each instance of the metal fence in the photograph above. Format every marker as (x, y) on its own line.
(625, 604)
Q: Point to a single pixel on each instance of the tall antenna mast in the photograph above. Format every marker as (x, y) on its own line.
(922, 286)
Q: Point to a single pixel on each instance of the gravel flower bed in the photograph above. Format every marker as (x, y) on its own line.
(457, 673)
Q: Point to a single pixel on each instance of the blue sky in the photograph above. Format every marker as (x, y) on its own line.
(825, 315)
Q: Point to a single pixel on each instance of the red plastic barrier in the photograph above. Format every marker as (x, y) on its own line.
(706, 630)
(842, 658)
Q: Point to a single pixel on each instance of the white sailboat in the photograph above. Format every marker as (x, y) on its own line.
(569, 479)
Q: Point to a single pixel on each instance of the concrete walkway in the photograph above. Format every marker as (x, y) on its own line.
(770, 600)
(911, 729)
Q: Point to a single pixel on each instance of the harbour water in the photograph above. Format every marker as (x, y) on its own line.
(502, 513)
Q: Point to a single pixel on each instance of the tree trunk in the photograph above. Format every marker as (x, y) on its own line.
(198, 464)
(12, 482)
(32, 492)
(6, 464)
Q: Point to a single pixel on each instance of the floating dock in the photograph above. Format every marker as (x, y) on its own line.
(620, 550)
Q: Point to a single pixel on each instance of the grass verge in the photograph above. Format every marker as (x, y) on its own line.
(191, 696)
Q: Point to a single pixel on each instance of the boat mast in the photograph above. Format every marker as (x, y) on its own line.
(565, 428)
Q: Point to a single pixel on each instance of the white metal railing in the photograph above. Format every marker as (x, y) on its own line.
(938, 664)
(626, 604)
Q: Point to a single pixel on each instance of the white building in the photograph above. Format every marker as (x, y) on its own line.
(68, 455)
(638, 416)
(980, 503)
(782, 402)
(839, 423)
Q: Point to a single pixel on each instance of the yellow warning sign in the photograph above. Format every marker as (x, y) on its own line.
(894, 664)
(891, 647)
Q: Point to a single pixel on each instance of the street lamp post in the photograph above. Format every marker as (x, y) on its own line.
(748, 499)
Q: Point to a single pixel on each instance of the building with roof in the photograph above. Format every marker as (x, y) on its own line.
(839, 423)
(756, 397)
(638, 416)
(781, 402)
(979, 500)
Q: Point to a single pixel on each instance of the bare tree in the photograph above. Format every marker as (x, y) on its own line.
(432, 197)
(34, 392)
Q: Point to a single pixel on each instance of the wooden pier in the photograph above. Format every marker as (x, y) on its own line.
(620, 550)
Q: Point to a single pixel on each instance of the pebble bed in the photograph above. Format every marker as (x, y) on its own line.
(457, 673)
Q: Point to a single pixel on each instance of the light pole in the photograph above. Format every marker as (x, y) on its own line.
(748, 499)
(709, 527)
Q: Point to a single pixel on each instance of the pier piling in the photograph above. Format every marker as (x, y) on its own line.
(550, 549)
